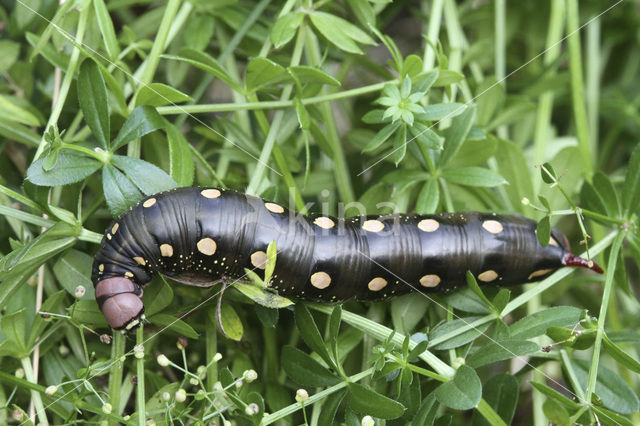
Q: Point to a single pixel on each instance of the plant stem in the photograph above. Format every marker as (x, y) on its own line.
(577, 86)
(606, 296)
(25, 217)
(68, 77)
(433, 30)
(211, 348)
(35, 395)
(115, 372)
(501, 52)
(489, 414)
(592, 88)
(140, 399)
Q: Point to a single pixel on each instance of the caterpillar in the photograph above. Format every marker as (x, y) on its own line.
(200, 236)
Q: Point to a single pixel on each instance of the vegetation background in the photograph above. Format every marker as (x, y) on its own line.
(435, 106)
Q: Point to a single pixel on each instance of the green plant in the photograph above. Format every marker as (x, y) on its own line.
(104, 102)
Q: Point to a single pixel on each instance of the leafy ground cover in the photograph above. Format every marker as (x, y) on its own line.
(526, 107)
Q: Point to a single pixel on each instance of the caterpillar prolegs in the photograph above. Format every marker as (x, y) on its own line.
(199, 236)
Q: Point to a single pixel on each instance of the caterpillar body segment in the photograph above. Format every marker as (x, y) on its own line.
(199, 236)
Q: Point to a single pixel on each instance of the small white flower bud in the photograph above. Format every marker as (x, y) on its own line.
(250, 375)
(163, 361)
(79, 291)
(166, 396)
(106, 408)
(525, 201)
(302, 395)
(217, 357)
(51, 390)
(252, 409)
(193, 381)
(19, 373)
(368, 421)
(181, 395)
(63, 350)
(201, 371)
(138, 351)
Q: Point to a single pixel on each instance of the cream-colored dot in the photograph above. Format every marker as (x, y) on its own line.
(431, 280)
(166, 250)
(539, 273)
(488, 276)
(373, 225)
(377, 284)
(101, 267)
(428, 225)
(114, 228)
(128, 274)
(149, 202)
(259, 259)
(207, 246)
(492, 226)
(108, 236)
(273, 207)
(320, 280)
(324, 222)
(140, 261)
(210, 193)
(553, 242)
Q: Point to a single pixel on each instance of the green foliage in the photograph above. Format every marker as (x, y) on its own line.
(103, 103)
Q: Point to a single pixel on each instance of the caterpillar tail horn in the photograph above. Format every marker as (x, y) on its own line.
(570, 259)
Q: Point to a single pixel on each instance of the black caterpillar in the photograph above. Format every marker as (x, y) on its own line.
(199, 236)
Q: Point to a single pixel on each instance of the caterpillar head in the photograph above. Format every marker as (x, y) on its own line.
(120, 302)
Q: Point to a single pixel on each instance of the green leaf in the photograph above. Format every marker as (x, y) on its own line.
(499, 351)
(456, 134)
(425, 136)
(158, 298)
(9, 53)
(285, 28)
(543, 231)
(72, 269)
(16, 113)
(426, 414)
(230, 322)
(340, 32)
(381, 136)
(489, 98)
(262, 296)
(14, 328)
(312, 75)
(556, 413)
(106, 29)
(330, 407)
(548, 174)
(631, 188)
(463, 392)
(515, 169)
(69, 168)
(612, 417)
(447, 78)
(612, 390)
(619, 355)
(144, 119)
(569, 338)
(302, 113)
(119, 192)
(158, 94)
(304, 370)
(438, 112)
(467, 300)
(538, 323)
(474, 176)
(608, 193)
(263, 72)
(428, 198)
(407, 311)
(501, 393)
(367, 401)
(399, 145)
(174, 324)
(460, 339)
(511, 113)
(310, 334)
(87, 312)
(148, 178)
(206, 63)
(270, 266)
(201, 29)
(555, 395)
(19, 133)
(181, 164)
(92, 96)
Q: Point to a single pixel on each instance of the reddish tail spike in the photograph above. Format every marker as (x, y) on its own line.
(570, 259)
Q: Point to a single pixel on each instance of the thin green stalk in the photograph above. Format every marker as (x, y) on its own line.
(68, 77)
(254, 106)
(140, 400)
(270, 140)
(489, 414)
(592, 89)
(500, 9)
(26, 217)
(115, 372)
(434, 10)
(290, 409)
(152, 60)
(606, 296)
(211, 348)
(577, 86)
(343, 179)
(566, 361)
(35, 395)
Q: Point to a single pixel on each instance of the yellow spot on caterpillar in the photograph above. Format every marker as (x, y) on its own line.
(128, 274)
(210, 193)
(149, 202)
(114, 229)
(207, 246)
(166, 250)
(431, 280)
(108, 236)
(324, 222)
(320, 280)
(493, 226)
(539, 273)
(101, 267)
(373, 225)
(377, 284)
(273, 207)
(428, 225)
(259, 259)
(488, 276)
(553, 242)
